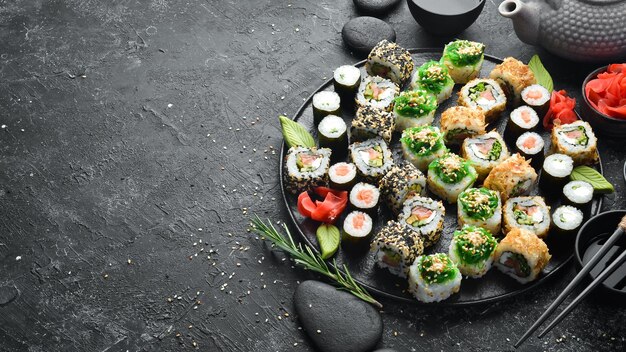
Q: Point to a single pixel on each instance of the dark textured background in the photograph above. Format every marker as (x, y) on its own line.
(139, 139)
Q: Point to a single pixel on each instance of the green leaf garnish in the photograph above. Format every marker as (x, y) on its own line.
(541, 74)
(295, 134)
(328, 237)
(593, 177)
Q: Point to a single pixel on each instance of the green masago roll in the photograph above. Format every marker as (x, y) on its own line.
(433, 278)
(480, 207)
(414, 108)
(402, 182)
(463, 58)
(472, 249)
(435, 78)
(372, 159)
(421, 145)
(450, 175)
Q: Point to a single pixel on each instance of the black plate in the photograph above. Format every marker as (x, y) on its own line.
(494, 286)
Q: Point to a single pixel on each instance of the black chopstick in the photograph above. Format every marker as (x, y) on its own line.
(578, 279)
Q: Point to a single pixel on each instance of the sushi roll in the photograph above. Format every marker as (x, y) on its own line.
(325, 103)
(576, 140)
(484, 94)
(513, 177)
(528, 213)
(402, 182)
(364, 197)
(357, 230)
(485, 152)
(421, 145)
(390, 60)
(513, 76)
(463, 58)
(377, 92)
(480, 207)
(424, 215)
(342, 176)
(450, 175)
(538, 98)
(472, 249)
(396, 246)
(372, 159)
(307, 168)
(530, 146)
(347, 79)
(578, 194)
(434, 77)
(371, 122)
(414, 108)
(460, 122)
(433, 278)
(333, 134)
(567, 220)
(522, 255)
(522, 120)
(556, 171)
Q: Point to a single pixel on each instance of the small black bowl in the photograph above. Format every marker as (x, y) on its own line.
(591, 236)
(443, 20)
(601, 123)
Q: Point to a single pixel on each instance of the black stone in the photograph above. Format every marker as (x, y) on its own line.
(7, 294)
(375, 7)
(363, 33)
(345, 322)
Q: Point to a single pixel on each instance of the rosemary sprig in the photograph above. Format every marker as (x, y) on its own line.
(312, 261)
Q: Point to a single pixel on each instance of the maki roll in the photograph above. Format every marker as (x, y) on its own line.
(389, 60)
(372, 159)
(484, 152)
(480, 207)
(463, 58)
(333, 134)
(414, 108)
(325, 103)
(377, 92)
(434, 77)
(576, 140)
(522, 120)
(450, 175)
(342, 176)
(537, 97)
(357, 229)
(512, 177)
(346, 81)
(371, 122)
(522, 255)
(578, 194)
(513, 76)
(567, 220)
(472, 249)
(460, 122)
(396, 246)
(307, 168)
(556, 171)
(530, 146)
(484, 94)
(421, 145)
(364, 197)
(433, 278)
(528, 213)
(401, 183)
(424, 215)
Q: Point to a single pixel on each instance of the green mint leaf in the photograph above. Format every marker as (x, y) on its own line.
(295, 134)
(541, 74)
(328, 237)
(593, 177)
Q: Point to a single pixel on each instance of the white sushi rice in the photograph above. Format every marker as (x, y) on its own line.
(482, 103)
(511, 272)
(332, 173)
(518, 115)
(558, 165)
(363, 231)
(404, 122)
(360, 203)
(480, 161)
(385, 100)
(567, 217)
(476, 270)
(332, 126)
(541, 219)
(580, 192)
(432, 223)
(535, 88)
(569, 144)
(539, 144)
(347, 75)
(436, 292)
(326, 101)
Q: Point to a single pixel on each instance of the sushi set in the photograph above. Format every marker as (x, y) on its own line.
(435, 167)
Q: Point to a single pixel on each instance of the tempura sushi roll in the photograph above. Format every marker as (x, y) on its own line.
(567, 220)
(450, 175)
(396, 246)
(463, 58)
(357, 230)
(307, 168)
(576, 140)
(434, 77)
(421, 145)
(484, 94)
(414, 108)
(556, 171)
(523, 119)
(377, 92)
(390, 60)
(424, 215)
(512, 177)
(472, 249)
(402, 182)
(530, 145)
(537, 97)
(513, 76)
(332, 133)
(480, 207)
(371, 122)
(578, 194)
(347, 79)
(460, 122)
(325, 103)
(342, 176)
(433, 278)
(522, 255)
(364, 197)
(485, 152)
(372, 159)
(528, 213)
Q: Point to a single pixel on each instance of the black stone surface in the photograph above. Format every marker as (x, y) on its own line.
(104, 186)
(7, 294)
(375, 7)
(363, 33)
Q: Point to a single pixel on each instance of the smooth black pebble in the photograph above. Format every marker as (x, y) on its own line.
(7, 294)
(363, 33)
(375, 7)
(345, 322)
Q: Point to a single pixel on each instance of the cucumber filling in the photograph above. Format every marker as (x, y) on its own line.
(516, 262)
